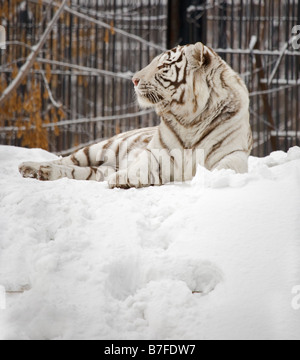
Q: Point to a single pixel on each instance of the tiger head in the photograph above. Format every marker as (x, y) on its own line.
(173, 79)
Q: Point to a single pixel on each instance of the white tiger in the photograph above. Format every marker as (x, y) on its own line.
(203, 105)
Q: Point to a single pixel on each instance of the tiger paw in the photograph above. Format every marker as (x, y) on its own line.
(45, 173)
(122, 180)
(29, 170)
(40, 171)
(119, 180)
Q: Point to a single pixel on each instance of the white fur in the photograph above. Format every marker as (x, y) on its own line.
(204, 107)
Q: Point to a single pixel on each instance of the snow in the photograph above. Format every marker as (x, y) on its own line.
(217, 258)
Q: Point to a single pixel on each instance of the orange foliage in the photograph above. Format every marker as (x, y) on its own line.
(24, 111)
(30, 109)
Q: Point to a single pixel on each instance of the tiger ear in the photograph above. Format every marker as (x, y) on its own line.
(195, 54)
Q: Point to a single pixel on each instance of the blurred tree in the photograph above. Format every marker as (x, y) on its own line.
(20, 94)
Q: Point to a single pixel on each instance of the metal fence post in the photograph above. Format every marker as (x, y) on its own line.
(186, 22)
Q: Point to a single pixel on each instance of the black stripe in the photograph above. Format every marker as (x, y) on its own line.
(150, 172)
(213, 125)
(86, 152)
(164, 145)
(100, 163)
(118, 156)
(74, 160)
(171, 128)
(156, 77)
(134, 142)
(177, 84)
(108, 144)
(180, 101)
(160, 173)
(222, 113)
(222, 79)
(91, 174)
(217, 146)
(207, 59)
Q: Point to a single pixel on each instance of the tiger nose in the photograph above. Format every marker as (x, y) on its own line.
(136, 81)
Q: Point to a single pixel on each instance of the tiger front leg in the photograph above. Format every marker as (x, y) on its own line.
(53, 171)
(144, 172)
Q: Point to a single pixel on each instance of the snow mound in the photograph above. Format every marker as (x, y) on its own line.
(216, 258)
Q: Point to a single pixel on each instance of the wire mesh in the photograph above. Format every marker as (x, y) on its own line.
(80, 89)
(257, 38)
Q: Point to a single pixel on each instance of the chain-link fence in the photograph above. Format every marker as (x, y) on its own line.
(260, 40)
(79, 90)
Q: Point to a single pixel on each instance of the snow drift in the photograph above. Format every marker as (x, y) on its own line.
(217, 258)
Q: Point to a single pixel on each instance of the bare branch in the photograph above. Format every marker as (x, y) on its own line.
(271, 91)
(55, 103)
(105, 25)
(31, 58)
(258, 52)
(82, 121)
(91, 71)
(98, 119)
(282, 52)
(19, 43)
